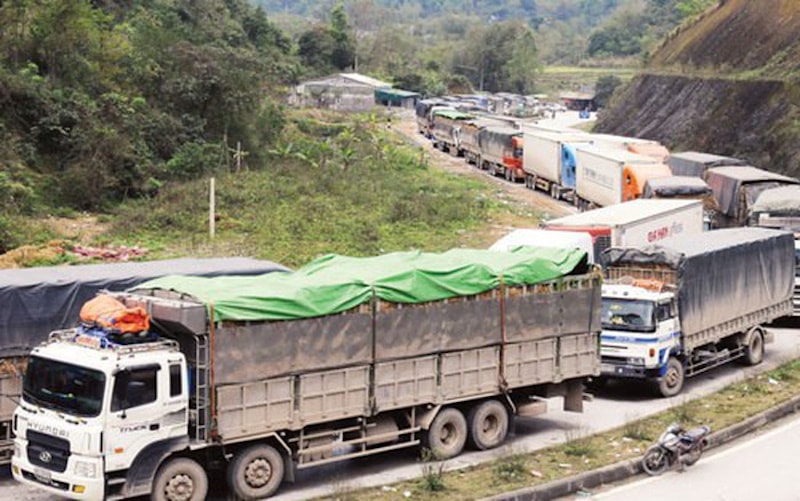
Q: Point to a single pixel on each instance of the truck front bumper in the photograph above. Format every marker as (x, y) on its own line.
(64, 484)
(626, 371)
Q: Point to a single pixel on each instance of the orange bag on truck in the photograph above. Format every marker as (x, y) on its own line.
(109, 313)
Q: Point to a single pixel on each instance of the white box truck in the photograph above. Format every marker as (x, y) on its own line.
(608, 176)
(535, 237)
(345, 358)
(692, 303)
(634, 224)
(543, 161)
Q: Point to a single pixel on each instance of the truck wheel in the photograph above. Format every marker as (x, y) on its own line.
(671, 383)
(447, 434)
(488, 425)
(754, 352)
(180, 479)
(256, 472)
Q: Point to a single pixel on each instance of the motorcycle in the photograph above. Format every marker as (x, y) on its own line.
(675, 446)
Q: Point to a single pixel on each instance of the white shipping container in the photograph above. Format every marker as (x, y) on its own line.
(610, 176)
(640, 222)
(542, 152)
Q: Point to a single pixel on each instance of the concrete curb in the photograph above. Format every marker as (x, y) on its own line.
(630, 467)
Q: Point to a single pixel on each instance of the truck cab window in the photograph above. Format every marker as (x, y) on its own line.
(133, 388)
(663, 312)
(175, 388)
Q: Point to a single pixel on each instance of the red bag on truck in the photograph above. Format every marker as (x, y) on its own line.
(109, 313)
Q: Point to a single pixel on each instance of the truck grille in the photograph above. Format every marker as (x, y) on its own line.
(47, 451)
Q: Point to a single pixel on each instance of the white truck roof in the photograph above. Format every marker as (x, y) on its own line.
(624, 213)
(615, 154)
(546, 238)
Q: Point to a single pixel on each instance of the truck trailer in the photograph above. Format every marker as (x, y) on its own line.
(608, 176)
(779, 208)
(692, 303)
(344, 358)
(39, 300)
(470, 147)
(501, 152)
(447, 130)
(645, 147)
(547, 165)
(736, 189)
(695, 163)
(634, 224)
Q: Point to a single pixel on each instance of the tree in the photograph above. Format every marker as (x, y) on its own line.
(344, 49)
(604, 89)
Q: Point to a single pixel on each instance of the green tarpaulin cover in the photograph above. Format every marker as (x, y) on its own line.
(333, 283)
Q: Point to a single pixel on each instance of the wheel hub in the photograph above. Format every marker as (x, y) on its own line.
(258, 473)
(179, 488)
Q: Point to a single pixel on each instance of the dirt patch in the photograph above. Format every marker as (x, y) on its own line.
(83, 229)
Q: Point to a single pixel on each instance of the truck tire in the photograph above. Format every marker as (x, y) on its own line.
(180, 479)
(754, 351)
(447, 434)
(488, 425)
(256, 472)
(671, 383)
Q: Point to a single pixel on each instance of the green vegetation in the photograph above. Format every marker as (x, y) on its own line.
(356, 191)
(582, 452)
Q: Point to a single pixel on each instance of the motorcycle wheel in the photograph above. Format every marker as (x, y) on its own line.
(655, 461)
(693, 455)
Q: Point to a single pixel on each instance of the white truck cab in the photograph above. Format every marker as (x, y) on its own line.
(91, 407)
(640, 331)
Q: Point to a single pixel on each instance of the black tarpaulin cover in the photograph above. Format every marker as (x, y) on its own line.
(36, 301)
(675, 186)
(726, 183)
(721, 274)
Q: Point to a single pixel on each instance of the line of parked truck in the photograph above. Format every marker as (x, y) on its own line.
(263, 376)
(601, 170)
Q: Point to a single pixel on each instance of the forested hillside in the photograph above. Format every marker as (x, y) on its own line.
(568, 31)
(103, 103)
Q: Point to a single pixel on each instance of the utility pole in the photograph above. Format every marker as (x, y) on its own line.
(211, 210)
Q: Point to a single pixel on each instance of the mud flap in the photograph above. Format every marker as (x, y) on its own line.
(573, 398)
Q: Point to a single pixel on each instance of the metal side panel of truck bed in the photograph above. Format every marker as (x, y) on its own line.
(261, 407)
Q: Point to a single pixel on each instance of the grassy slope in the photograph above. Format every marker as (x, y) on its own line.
(344, 188)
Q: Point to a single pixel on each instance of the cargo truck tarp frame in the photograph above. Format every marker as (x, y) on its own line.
(720, 280)
(334, 284)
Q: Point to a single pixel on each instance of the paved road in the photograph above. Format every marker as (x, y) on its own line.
(612, 408)
(762, 467)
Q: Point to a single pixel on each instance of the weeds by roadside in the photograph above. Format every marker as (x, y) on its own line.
(582, 452)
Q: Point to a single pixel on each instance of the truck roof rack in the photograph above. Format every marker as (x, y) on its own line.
(75, 336)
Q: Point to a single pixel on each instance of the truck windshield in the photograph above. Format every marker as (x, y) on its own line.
(63, 387)
(628, 315)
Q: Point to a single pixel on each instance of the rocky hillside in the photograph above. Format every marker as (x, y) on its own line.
(726, 83)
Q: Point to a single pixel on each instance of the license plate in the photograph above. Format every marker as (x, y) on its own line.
(42, 475)
(607, 368)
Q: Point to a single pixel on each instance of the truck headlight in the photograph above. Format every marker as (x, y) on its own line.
(85, 469)
(17, 450)
(636, 361)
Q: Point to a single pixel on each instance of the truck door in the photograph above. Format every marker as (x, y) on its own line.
(136, 412)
